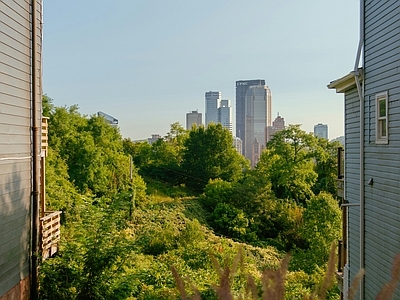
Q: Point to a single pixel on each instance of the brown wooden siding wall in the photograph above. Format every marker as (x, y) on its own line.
(15, 139)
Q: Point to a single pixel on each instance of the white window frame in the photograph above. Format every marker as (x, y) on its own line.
(379, 128)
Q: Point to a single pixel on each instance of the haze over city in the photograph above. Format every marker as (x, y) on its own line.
(148, 63)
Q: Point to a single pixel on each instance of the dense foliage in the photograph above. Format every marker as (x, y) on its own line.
(192, 202)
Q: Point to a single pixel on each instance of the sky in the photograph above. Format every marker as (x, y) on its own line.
(149, 62)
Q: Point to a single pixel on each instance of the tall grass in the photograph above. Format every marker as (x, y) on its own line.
(273, 282)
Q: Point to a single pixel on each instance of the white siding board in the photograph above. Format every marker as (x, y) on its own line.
(8, 70)
(17, 46)
(12, 10)
(15, 149)
(12, 110)
(15, 139)
(10, 90)
(7, 129)
(16, 68)
(12, 186)
(15, 120)
(13, 214)
(15, 252)
(12, 166)
(15, 177)
(15, 80)
(21, 37)
(17, 201)
(14, 101)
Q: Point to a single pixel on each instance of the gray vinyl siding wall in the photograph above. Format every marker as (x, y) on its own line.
(352, 177)
(15, 139)
(382, 162)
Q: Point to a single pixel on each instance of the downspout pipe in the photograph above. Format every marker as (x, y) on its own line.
(360, 90)
(35, 155)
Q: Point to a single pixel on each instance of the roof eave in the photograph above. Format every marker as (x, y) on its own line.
(346, 82)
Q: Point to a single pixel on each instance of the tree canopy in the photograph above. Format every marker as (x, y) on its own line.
(298, 164)
(209, 154)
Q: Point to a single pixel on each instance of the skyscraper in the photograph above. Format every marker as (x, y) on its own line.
(225, 114)
(257, 118)
(277, 125)
(241, 89)
(193, 117)
(213, 100)
(321, 130)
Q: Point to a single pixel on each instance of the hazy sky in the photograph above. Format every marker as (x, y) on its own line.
(149, 62)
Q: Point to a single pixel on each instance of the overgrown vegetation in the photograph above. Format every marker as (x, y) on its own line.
(193, 204)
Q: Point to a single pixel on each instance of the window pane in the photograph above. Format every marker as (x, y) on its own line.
(383, 127)
(382, 108)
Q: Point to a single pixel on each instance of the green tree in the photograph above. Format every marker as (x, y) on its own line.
(209, 154)
(61, 194)
(288, 163)
(326, 166)
(47, 106)
(139, 151)
(92, 256)
(321, 226)
(92, 150)
(160, 160)
(229, 221)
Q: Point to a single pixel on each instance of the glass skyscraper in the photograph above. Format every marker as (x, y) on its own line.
(253, 115)
(241, 89)
(225, 114)
(213, 100)
(321, 130)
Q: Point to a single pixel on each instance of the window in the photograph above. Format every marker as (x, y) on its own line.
(381, 118)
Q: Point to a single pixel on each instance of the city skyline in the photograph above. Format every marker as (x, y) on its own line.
(148, 72)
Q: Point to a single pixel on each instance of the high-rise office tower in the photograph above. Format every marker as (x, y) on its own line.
(225, 114)
(193, 117)
(213, 100)
(257, 117)
(241, 89)
(253, 115)
(237, 144)
(277, 125)
(321, 130)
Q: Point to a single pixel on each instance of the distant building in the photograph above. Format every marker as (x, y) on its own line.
(277, 125)
(154, 138)
(242, 87)
(256, 153)
(257, 118)
(193, 117)
(321, 131)
(238, 144)
(109, 119)
(339, 139)
(225, 114)
(213, 100)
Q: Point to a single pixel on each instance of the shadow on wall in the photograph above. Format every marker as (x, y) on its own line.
(15, 223)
